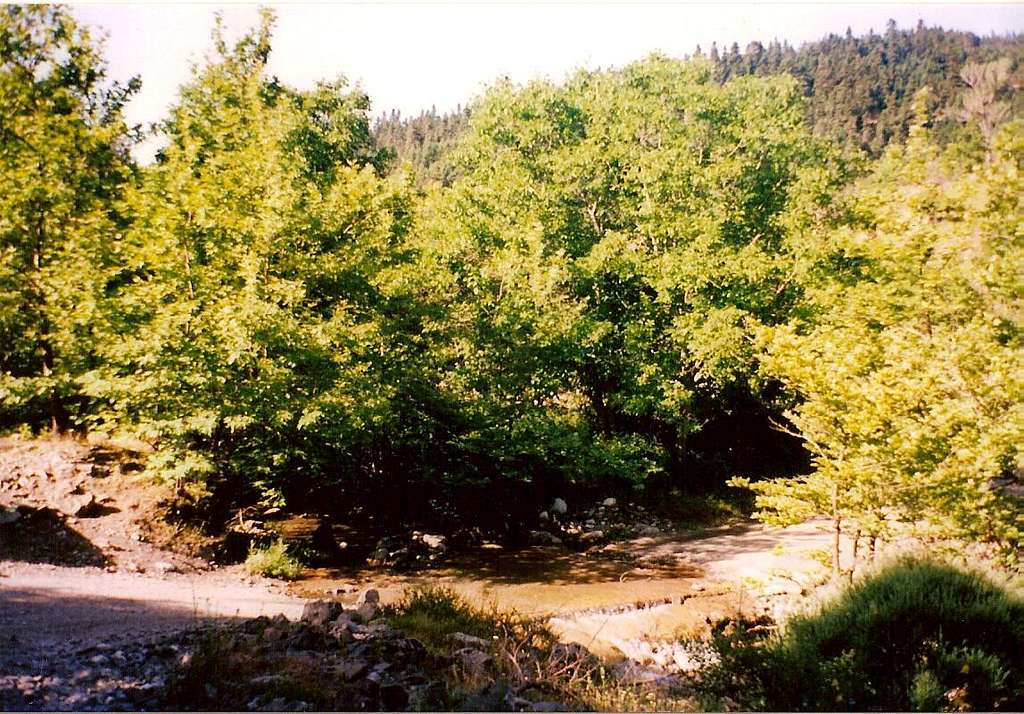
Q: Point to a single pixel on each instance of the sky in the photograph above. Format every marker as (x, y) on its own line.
(413, 55)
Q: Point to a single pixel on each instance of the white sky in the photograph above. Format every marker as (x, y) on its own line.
(411, 55)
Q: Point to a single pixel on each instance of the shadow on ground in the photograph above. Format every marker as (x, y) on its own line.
(42, 535)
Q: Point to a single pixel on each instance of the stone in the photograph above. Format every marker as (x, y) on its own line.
(163, 567)
(544, 516)
(320, 612)
(367, 611)
(8, 515)
(649, 531)
(550, 707)
(544, 538)
(609, 503)
(433, 541)
(353, 669)
(371, 595)
(559, 506)
(469, 640)
(473, 661)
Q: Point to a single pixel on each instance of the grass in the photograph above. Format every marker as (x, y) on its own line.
(273, 561)
(917, 634)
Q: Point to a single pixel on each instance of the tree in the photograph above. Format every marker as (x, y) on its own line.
(254, 355)
(909, 364)
(63, 164)
(609, 247)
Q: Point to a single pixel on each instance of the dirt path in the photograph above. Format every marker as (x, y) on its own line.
(80, 563)
(44, 608)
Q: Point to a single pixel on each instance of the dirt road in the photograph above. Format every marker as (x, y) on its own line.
(46, 608)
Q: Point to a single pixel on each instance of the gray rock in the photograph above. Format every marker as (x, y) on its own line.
(367, 611)
(609, 502)
(371, 595)
(559, 506)
(650, 531)
(592, 536)
(320, 612)
(469, 640)
(544, 538)
(353, 669)
(8, 515)
(544, 516)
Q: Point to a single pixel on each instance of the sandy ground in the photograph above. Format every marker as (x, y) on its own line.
(75, 582)
(46, 607)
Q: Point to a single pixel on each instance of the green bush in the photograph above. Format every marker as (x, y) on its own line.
(917, 635)
(274, 561)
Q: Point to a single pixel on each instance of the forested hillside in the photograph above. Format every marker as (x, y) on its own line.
(647, 279)
(859, 89)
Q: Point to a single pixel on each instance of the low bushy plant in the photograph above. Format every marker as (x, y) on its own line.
(919, 634)
(273, 561)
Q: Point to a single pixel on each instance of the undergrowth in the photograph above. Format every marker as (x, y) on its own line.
(917, 635)
(273, 561)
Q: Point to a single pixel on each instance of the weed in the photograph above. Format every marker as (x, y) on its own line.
(274, 561)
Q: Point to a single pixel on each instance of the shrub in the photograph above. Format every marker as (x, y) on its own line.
(274, 561)
(918, 634)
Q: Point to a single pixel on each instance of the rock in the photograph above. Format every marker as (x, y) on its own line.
(371, 595)
(609, 503)
(163, 567)
(544, 516)
(591, 537)
(698, 587)
(367, 611)
(469, 640)
(268, 680)
(544, 538)
(78, 506)
(433, 541)
(649, 531)
(353, 669)
(320, 612)
(473, 661)
(550, 707)
(559, 506)
(273, 634)
(8, 515)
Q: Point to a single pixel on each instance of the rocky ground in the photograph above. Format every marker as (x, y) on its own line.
(97, 613)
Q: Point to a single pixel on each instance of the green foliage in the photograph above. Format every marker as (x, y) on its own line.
(252, 305)
(434, 614)
(606, 254)
(909, 360)
(916, 635)
(860, 90)
(63, 165)
(273, 561)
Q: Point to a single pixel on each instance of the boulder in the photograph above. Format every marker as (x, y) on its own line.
(591, 537)
(609, 503)
(558, 506)
(320, 612)
(367, 611)
(544, 516)
(649, 531)
(371, 596)
(544, 538)
(434, 542)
